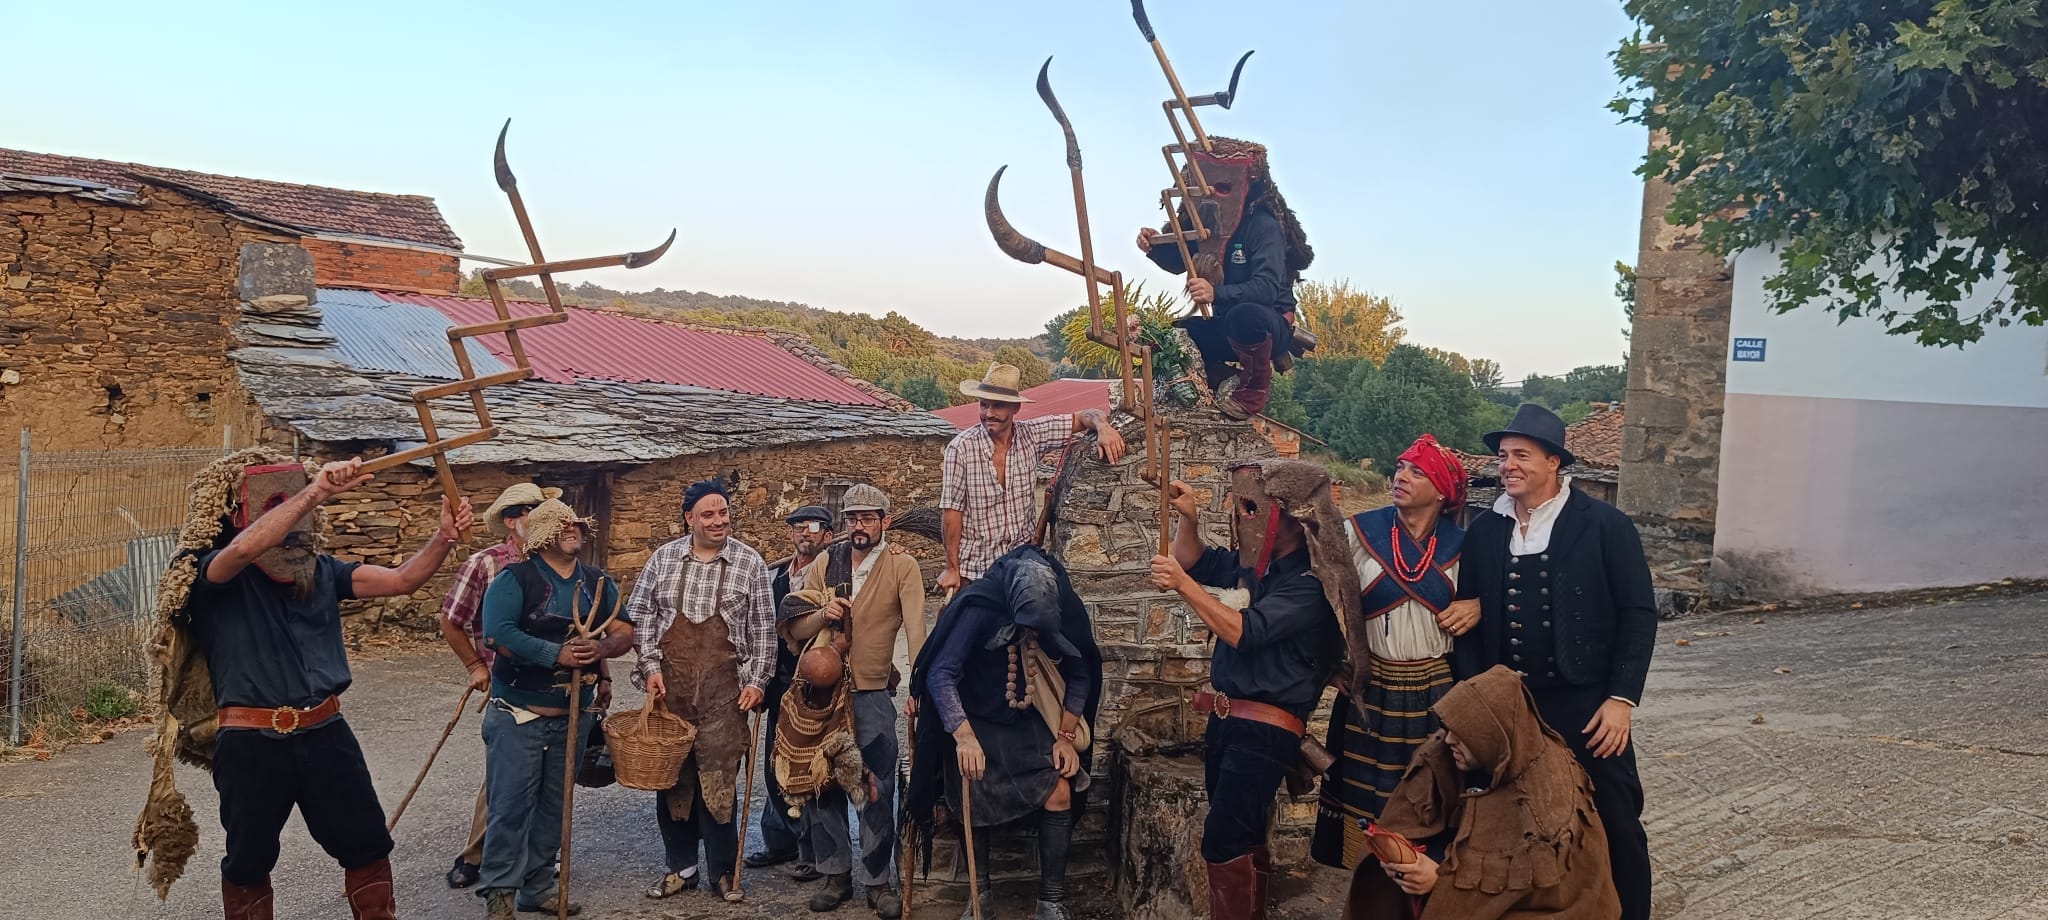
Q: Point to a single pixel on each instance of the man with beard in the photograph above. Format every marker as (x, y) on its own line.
(1564, 597)
(1261, 258)
(1271, 662)
(704, 623)
(987, 491)
(529, 621)
(784, 838)
(1012, 673)
(264, 609)
(462, 627)
(861, 597)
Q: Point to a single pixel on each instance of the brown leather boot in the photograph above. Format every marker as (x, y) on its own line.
(1255, 381)
(245, 903)
(1233, 888)
(369, 892)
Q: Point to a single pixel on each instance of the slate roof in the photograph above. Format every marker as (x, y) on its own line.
(399, 218)
(351, 379)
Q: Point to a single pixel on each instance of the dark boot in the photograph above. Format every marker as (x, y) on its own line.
(1262, 864)
(1255, 383)
(369, 892)
(251, 902)
(885, 902)
(837, 890)
(1055, 834)
(1232, 887)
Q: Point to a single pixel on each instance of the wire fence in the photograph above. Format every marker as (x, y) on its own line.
(84, 538)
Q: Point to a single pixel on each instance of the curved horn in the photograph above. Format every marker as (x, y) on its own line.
(1060, 115)
(1230, 95)
(498, 164)
(1144, 22)
(1013, 244)
(638, 259)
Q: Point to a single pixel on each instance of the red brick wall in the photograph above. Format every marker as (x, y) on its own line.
(362, 265)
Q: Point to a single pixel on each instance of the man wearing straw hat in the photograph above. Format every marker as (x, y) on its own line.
(532, 614)
(462, 627)
(986, 490)
(865, 595)
(704, 623)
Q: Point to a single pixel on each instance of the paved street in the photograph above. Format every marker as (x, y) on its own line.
(1857, 763)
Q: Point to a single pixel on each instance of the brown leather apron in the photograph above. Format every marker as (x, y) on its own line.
(702, 671)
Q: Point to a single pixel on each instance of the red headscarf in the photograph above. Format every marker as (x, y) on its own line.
(1441, 466)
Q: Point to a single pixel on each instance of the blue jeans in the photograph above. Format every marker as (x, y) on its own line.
(523, 773)
(874, 729)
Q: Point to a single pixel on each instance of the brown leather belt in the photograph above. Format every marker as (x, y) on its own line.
(283, 720)
(1226, 708)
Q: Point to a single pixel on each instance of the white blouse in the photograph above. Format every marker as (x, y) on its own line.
(1408, 632)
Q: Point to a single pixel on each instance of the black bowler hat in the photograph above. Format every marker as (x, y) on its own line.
(1537, 423)
(810, 513)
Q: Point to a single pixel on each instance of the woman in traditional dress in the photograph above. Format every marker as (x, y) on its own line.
(1407, 559)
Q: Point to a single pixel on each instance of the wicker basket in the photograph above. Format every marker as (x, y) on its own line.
(648, 747)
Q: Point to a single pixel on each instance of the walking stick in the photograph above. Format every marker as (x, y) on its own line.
(460, 705)
(586, 627)
(967, 837)
(909, 829)
(739, 861)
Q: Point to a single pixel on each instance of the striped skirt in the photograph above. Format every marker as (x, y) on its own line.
(1373, 753)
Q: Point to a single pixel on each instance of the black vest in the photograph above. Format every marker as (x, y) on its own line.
(1530, 637)
(535, 591)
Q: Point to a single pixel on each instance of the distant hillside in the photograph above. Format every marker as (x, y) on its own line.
(909, 359)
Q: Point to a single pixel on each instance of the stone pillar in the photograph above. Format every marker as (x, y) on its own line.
(1677, 378)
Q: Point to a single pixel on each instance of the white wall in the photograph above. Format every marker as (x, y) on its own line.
(1806, 353)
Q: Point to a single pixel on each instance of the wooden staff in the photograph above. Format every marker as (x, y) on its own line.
(739, 861)
(910, 829)
(967, 837)
(584, 628)
(460, 705)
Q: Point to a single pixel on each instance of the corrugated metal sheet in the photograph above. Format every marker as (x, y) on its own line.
(607, 346)
(1058, 397)
(377, 334)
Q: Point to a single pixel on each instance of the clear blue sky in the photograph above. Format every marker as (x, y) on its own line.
(1453, 155)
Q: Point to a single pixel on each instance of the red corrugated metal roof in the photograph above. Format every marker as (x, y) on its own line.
(1058, 397)
(595, 345)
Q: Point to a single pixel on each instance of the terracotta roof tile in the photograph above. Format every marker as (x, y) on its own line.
(404, 218)
(1596, 439)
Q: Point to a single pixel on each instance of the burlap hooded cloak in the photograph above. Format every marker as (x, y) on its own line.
(1528, 846)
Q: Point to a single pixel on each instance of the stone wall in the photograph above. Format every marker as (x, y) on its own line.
(638, 507)
(114, 320)
(368, 266)
(1671, 438)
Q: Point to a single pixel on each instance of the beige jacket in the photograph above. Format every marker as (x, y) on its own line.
(891, 599)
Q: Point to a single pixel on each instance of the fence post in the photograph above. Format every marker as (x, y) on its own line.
(17, 685)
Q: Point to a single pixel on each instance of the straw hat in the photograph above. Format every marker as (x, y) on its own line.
(544, 523)
(998, 385)
(518, 493)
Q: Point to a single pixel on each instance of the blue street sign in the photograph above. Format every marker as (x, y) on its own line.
(1749, 350)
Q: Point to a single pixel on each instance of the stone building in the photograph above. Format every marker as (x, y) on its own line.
(1069, 395)
(118, 289)
(624, 412)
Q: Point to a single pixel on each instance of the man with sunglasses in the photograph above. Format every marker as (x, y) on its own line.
(462, 626)
(783, 838)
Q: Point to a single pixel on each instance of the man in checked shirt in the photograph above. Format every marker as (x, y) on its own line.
(986, 490)
(704, 623)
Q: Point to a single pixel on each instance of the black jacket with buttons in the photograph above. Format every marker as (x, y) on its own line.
(1600, 590)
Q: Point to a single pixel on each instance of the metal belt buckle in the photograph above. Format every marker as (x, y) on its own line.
(279, 713)
(1221, 705)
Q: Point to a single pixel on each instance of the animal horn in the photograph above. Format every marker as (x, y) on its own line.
(1013, 244)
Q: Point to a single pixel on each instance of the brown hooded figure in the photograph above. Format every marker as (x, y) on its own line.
(1523, 842)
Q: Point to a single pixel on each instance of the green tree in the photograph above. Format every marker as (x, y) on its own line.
(924, 392)
(1349, 323)
(1031, 367)
(1625, 291)
(1055, 336)
(1890, 149)
(1385, 408)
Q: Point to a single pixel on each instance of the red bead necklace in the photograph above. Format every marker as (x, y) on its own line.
(1401, 568)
